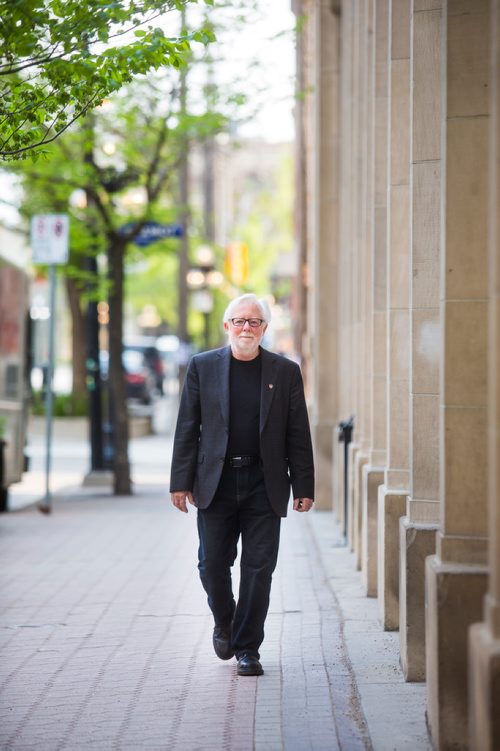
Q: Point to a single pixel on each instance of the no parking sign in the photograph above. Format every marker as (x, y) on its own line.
(49, 244)
(49, 238)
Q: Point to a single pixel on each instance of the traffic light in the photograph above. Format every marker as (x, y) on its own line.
(236, 263)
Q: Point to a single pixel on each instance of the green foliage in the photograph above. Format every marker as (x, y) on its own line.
(64, 405)
(148, 130)
(62, 58)
(141, 125)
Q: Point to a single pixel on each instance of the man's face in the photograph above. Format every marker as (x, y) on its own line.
(245, 340)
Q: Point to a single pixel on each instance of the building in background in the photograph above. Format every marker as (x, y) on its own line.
(15, 355)
(398, 185)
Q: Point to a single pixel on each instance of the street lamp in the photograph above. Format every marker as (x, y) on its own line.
(201, 280)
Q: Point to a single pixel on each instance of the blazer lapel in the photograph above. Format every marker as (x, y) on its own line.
(223, 364)
(268, 384)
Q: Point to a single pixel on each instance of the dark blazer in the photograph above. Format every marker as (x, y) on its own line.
(202, 430)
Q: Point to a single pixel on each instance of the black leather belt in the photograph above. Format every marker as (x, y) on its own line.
(242, 461)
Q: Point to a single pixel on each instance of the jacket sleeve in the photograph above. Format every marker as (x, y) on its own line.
(187, 433)
(299, 444)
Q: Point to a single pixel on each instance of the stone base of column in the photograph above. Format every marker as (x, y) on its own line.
(338, 480)
(391, 507)
(322, 439)
(352, 453)
(98, 478)
(454, 596)
(359, 463)
(372, 478)
(484, 689)
(416, 542)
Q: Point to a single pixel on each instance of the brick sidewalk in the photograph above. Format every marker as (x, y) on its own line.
(106, 639)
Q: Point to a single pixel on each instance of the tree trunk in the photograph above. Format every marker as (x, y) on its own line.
(121, 465)
(77, 338)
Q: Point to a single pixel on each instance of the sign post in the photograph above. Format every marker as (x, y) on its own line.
(49, 244)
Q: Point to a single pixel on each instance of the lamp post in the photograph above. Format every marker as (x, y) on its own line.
(201, 280)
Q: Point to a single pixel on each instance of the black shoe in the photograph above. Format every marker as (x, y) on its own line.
(221, 640)
(249, 665)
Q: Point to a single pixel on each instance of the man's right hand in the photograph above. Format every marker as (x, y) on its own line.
(179, 499)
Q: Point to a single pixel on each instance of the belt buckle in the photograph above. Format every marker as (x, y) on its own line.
(242, 461)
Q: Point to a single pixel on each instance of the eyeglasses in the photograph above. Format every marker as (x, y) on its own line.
(238, 323)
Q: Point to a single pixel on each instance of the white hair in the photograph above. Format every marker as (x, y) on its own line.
(261, 303)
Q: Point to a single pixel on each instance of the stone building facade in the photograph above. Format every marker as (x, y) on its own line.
(398, 233)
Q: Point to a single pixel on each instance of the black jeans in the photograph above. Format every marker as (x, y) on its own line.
(240, 507)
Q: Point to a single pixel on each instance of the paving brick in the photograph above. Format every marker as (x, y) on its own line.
(105, 638)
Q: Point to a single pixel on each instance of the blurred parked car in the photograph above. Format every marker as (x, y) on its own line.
(168, 347)
(146, 345)
(138, 377)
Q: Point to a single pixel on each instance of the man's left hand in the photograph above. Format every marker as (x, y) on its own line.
(302, 504)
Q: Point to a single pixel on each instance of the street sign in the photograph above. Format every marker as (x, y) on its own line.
(49, 244)
(153, 231)
(49, 238)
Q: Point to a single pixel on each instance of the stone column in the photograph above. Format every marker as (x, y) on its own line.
(302, 135)
(418, 527)
(362, 230)
(348, 289)
(344, 289)
(377, 333)
(325, 260)
(305, 183)
(392, 494)
(484, 638)
(359, 447)
(456, 577)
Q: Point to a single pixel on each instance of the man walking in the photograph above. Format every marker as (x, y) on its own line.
(242, 438)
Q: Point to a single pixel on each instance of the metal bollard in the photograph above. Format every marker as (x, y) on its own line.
(4, 506)
(344, 430)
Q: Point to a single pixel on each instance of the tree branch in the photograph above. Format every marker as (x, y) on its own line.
(44, 140)
(101, 208)
(37, 60)
(33, 61)
(163, 175)
(153, 164)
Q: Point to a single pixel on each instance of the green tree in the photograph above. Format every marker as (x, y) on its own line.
(61, 58)
(132, 144)
(125, 161)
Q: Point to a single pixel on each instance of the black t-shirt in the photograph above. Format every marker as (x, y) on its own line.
(244, 407)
